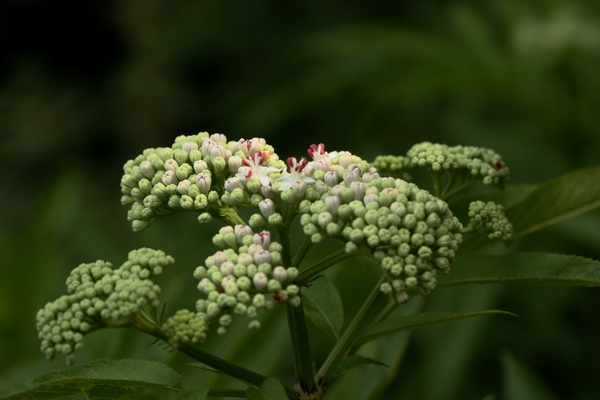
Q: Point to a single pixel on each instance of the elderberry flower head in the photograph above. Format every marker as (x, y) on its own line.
(479, 163)
(99, 296)
(465, 163)
(202, 173)
(489, 218)
(243, 278)
(412, 234)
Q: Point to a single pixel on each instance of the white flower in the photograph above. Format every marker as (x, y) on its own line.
(297, 177)
(252, 168)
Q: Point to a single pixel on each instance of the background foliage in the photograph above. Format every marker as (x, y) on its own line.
(84, 86)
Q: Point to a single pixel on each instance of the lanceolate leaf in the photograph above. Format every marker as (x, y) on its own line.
(112, 373)
(405, 322)
(528, 268)
(556, 200)
(323, 305)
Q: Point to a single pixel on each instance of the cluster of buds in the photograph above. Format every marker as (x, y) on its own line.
(466, 163)
(99, 296)
(185, 327)
(411, 233)
(197, 173)
(489, 218)
(243, 278)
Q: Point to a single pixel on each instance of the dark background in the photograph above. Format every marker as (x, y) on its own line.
(84, 86)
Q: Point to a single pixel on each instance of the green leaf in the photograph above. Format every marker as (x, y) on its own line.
(73, 380)
(352, 362)
(107, 392)
(519, 382)
(195, 394)
(323, 306)
(271, 389)
(405, 322)
(528, 268)
(556, 200)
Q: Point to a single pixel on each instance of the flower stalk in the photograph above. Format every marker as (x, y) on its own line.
(358, 323)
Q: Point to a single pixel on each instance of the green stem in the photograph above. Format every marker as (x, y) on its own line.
(387, 310)
(306, 246)
(230, 215)
(145, 323)
(361, 319)
(303, 362)
(306, 274)
(437, 184)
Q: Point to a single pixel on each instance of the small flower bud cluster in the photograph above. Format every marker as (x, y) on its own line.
(411, 233)
(241, 278)
(475, 163)
(465, 163)
(197, 173)
(185, 327)
(489, 217)
(99, 295)
(396, 166)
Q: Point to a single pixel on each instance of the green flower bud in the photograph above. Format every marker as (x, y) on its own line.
(273, 286)
(213, 197)
(275, 220)
(219, 164)
(386, 288)
(195, 155)
(288, 196)
(181, 156)
(410, 221)
(204, 218)
(186, 202)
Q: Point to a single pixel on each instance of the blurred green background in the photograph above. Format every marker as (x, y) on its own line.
(84, 86)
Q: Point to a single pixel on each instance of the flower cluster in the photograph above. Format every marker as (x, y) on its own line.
(411, 233)
(467, 163)
(99, 296)
(185, 327)
(489, 218)
(243, 277)
(197, 173)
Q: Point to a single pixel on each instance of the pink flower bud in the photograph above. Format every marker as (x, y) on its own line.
(169, 178)
(359, 190)
(241, 231)
(203, 181)
(261, 257)
(183, 186)
(262, 238)
(200, 165)
(189, 146)
(267, 207)
(171, 165)
(234, 163)
(299, 188)
(331, 178)
(333, 203)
